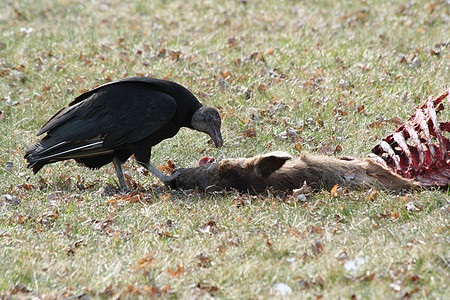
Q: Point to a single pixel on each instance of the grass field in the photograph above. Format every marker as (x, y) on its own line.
(338, 74)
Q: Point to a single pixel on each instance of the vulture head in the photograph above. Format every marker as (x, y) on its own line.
(207, 120)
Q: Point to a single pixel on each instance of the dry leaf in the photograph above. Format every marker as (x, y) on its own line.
(258, 55)
(161, 53)
(317, 248)
(169, 167)
(334, 189)
(298, 147)
(221, 248)
(204, 261)
(376, 124)
(238, 201)
(209, 289)
(165, 234)
(360, 108)
(177, 272)
(210, 227)
(371, 195)
(166, 196)
(175, 54)
(315, 230)
(411, 207)
(146, 262)
(251, 133)
(394, 215)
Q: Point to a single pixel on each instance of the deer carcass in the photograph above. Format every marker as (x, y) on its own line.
(276, 170)
(416, 154)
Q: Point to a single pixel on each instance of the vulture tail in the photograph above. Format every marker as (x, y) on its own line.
(48, 151)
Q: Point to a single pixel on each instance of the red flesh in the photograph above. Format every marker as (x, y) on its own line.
(206, 161)
(418, 149)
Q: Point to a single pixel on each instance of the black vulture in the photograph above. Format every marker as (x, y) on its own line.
(121, 118)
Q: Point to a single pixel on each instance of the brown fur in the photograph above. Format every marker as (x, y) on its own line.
(276, 170)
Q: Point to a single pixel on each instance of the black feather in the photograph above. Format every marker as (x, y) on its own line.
(115, 120)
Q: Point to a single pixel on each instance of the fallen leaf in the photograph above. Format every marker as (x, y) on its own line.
(20, 288)
(70, 249)
(394, 215)
(161, 53)
(296, 233)
(317, 248)
(343, 256)
(270, 51)
(366, 277)
(262, 87)
(204, 261)
(166, 196)
(411, 207)
(337, 191)
(146, 262)
(258, 55)
(177, 272)
(360, 109)
(385, 215)
(206, 161)
(165, 234)
(175, 54)
(210, 227)
(376, 124)
(221, 248)
(333, 190)
(169, 167)
(298, 147)
(435, 53)
(232, 42)
(238, 201)
(315, 230)
(395, 120)
(209, 289)
(49, 217)
(251, 133)
(371, 195)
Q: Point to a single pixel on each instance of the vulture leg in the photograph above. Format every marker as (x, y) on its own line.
(161, 176)
(119, 172)
(142, 154)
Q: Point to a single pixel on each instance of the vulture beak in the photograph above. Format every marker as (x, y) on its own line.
(216, 136)
(207, 120)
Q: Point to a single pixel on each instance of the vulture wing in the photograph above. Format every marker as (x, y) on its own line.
(123, 112)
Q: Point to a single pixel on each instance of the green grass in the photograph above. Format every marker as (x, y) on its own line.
(285, 64)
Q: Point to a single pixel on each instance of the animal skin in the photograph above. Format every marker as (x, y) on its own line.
(276, 170)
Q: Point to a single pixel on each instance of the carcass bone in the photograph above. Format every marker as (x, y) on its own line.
(418, 148)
